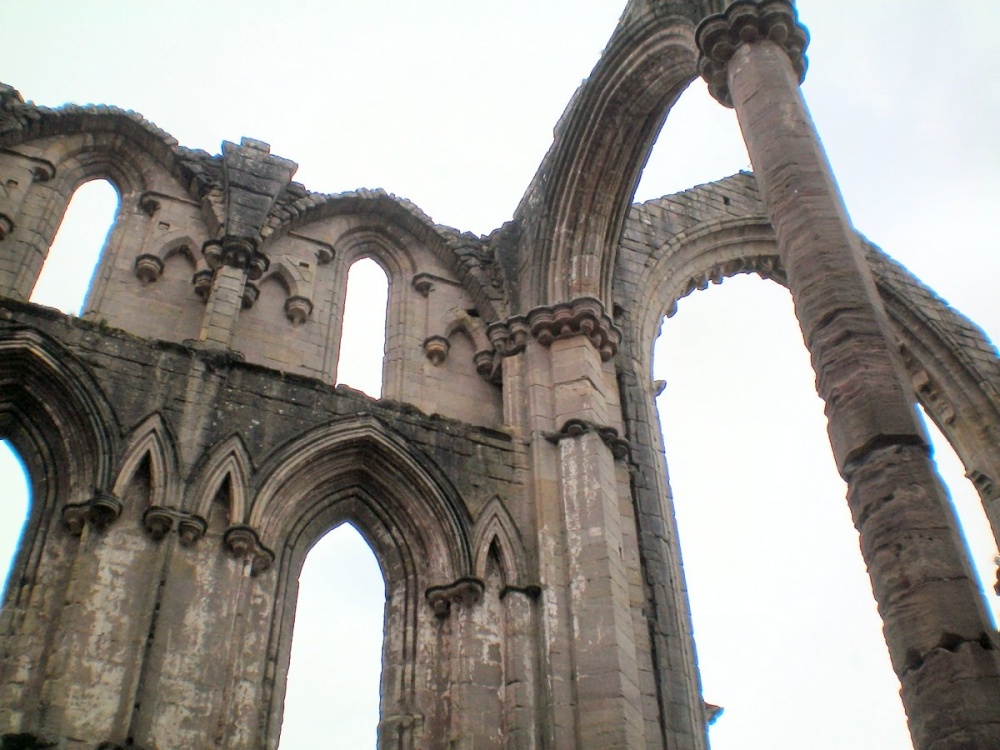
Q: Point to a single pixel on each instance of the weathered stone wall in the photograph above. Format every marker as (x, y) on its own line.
(187, 446)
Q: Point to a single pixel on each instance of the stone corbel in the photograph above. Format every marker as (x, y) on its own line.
(509, 337)
(243, 543)
(250, 294)
(202, 282)
(148, 268)
(466, 591)
(488, 365)
(237, 252)
(436, 349)
(298, 309)
(423, 283)
(6, 227)
(100, 511)
(148, 204)
(159, 521)
(618, 445)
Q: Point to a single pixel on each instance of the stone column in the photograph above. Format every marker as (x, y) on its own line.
(235, 263)
(587, 583)
(940, 638)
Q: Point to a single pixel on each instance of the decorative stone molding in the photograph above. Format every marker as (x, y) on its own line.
(466, 591)
(488, 365)
(159, 521)
(509, 337)
(237, 252)
(6, 226)
(436, 349)
(101, 511)
(202, 282)
(148, 204)
(191, 528)
(243, 543)
(298, 309)
(250, 294)
(746, 22)
(148, 268)
(423, 283)
(583, 316)
(609, 435)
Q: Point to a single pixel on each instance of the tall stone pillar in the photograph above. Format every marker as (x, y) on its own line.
(589, 660)
(940, 638)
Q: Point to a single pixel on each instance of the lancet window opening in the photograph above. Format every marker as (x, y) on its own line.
(336, 653)
(363, 331)
(777, 578)
(76, 249)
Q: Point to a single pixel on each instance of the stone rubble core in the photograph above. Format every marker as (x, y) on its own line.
(187, 445)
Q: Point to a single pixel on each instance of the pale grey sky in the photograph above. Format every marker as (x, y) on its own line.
(452, 105)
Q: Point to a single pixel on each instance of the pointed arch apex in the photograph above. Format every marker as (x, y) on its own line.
(496, 530)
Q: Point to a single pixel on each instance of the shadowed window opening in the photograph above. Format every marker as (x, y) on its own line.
(362, 343)
(13, 506)
(76, 248)
(336, 661)
(781, 602)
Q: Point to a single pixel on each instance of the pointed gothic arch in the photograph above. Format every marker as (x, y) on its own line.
(360, 471)
(228, 460)
(151, 441)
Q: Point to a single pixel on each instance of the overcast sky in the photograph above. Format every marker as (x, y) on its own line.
(452, 104)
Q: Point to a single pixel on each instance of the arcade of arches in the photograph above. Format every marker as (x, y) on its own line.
(187, 445)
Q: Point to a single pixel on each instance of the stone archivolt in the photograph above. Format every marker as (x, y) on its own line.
(509, 482)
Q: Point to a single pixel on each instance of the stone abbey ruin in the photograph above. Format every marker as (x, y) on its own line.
(186, 445)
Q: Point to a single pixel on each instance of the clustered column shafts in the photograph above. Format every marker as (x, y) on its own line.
(235, 263)
(939, 635)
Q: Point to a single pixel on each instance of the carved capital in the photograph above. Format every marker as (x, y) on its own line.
(436, 349)
(202, 282)
(100, 511)
(6, 227)
(148, 268)
(190, 528)
(250, 294)
(509, 337)
(104, 509)
(148, 204)
(243, 543)
(747, 22)
(584, 316)
(571, 428)
(158, 521)
(466, 591)
(423, 283)
(237, 252)
(298, 309)
(488, 365)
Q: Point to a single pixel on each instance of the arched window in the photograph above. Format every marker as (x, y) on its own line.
(76, 249)
(788, 635)
(13, 508)
(362, 342)
(335, 668)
